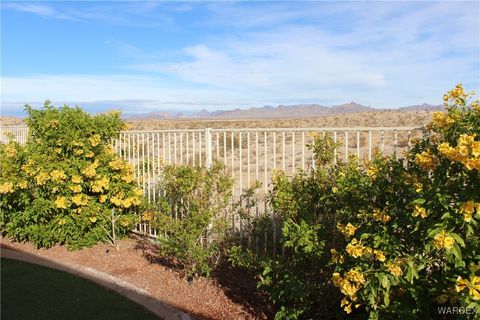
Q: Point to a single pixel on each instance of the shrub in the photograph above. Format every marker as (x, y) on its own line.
(310, 204)
(398, 239)
(66, 185)
(418, 249)
(192, 220)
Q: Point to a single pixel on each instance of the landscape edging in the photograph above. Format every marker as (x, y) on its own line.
(122, 287)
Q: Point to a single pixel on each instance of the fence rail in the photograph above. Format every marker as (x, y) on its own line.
(250, 156)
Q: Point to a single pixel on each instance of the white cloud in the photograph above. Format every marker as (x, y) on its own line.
(387, 54)
(137, 93)
(38, 9)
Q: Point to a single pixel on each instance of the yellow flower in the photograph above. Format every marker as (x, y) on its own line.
(471, 164)
(395, 268)
(448, 242)
(473, 286)
(468, 207)
(476, 149)
(76, 188)
(89, 154)
(348, 308)
(354, 275)
(466, 140)
(372, 172)
(127, 178)
(419, 211)
(94, 140)
(78, 143)
(11, 150)
(22, 184)
(348, 230)
(41, 178)
(443, 241)
(380, 216)
(148, 216)
(90, 171)
(336, 279)
(29, 168)
(53, 124)
(116, 164)
(136, 201)
(93, 219)
(418, 187)
(461, 284)
(100, 184)
(109, 150)
(439, 240)
(102, 198)
(58, 175)
(61, 202)
(474, 289)
(128, 202)
(117, 200)
(77, 179)
(426, 160)
(78, 152)
(80, 200)
(137, 191)
(355, 248)
(337, 257)
(442, 120)
(456, 95)
(125, 223)
(6, 187)
(467, 217)
(379, 255)
(62, 222)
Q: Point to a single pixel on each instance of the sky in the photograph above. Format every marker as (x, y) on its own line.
(146, 56)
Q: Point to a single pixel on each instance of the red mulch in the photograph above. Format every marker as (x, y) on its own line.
(230, 293)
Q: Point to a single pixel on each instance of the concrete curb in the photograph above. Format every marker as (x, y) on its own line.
(138, 295)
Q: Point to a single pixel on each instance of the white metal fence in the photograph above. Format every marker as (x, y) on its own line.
(15, 133)
(249, 155)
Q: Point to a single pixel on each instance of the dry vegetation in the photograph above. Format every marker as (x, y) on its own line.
(365, 119)
(11, 121)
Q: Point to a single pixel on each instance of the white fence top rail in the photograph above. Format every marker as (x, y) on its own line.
(260, 129)
(327, 129)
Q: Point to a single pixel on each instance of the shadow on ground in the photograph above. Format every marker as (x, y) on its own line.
(238, 284)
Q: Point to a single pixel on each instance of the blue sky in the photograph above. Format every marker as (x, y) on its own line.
(145, 56)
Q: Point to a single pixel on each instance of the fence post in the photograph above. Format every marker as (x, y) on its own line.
(208, 147)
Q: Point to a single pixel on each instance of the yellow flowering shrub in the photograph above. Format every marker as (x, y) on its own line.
(387, 239)
(61, 186)
(432, 235)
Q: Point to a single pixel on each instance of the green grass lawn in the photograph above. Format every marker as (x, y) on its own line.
(33, 292)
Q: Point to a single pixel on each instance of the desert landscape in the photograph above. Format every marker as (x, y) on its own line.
(384, 118)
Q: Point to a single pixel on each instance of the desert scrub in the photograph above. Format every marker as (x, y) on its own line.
(62, 186)
(192, 216)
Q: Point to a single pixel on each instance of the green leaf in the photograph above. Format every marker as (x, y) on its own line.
(458, 239)
(419, 201)
(457, 252)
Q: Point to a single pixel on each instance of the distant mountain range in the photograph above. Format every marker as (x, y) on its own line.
(282, 111)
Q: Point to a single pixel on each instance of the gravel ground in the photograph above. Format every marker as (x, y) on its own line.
(229, 294)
